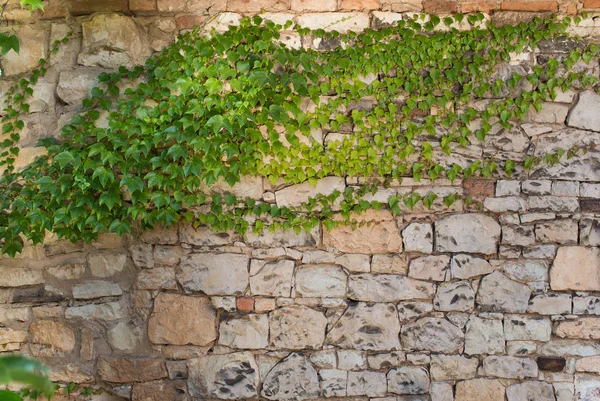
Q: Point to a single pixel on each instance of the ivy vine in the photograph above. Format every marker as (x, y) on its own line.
(150, 141)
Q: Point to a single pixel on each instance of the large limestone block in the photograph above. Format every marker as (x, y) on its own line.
(418, 237)
(55, 335)
(294, 378)
(453, 367)
(246, 332)
(585, 328)
(432, 334)
(530, 390)
(271, 279)
(379, 235)
(284, 238)
(473, 233)
(510, 367)
(484, 336)
(18, 277)
(295, 195)
(75, 85)
(587, 387)
(500, 294)
(576, 268)
(204, 236)
(388, 288)
(112, 40)
(367, 327)
(32, 42)
(585, 113)
(297, 327)
(527, 328)
(127, 370)
(231, 377)
(182, 320)
(431, 268)
(455, 296)
(479, 390)
(222, 274)
(321, 281)
(408, 380)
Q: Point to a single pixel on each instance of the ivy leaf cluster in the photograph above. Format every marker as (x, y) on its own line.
(151, 143)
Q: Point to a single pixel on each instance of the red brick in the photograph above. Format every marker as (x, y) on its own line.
(591, 3)
(440, 6)
(256, 6)
(360, 5)
(533, 6)
(245, 304)
(478, 6)
(478, 188)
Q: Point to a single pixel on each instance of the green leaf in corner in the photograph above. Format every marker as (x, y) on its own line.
(32, 4)
(7, 395)
(8, 43)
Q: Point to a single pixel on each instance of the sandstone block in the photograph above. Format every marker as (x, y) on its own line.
(55, 335)
(33, 47)
(221, 274)
(432, 334)
(182, 320)
(75, 85)
(453, 367)
(557, 231)
(387, 288)
(355, 263)
(571, 259)
(321, 281)
(395, 264)
(585, 328)
(367, 327)
(19, 277)
(297, 327)
(127, 370)
(159, 278)
(588, 364)
(112, 40)
(292, 379)
(107, 264)
(480, 390)
(313, 5)
(295, 195)
(232, 376)
(341, 22)
(473, 233)
(175, 390)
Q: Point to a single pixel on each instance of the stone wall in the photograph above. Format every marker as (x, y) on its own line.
(492, 301)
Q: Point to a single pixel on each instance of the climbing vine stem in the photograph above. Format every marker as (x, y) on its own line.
(151, 143)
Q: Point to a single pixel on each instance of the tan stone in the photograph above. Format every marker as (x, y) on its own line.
(33, 46)
(576, 268)
(160, 391)
(588, 364)
(313, 5)
(586, 328)
(8, 336)
(297, 327)
(127, 370)
(182, 320)
(53, 334)
(70, 374)
(257, 6)
(221, 274)
(107, 264)
(18, 277)
(379, 235)
(480, 390)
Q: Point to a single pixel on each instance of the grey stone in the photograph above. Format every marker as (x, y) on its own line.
(589, 232)
(222, 274)
(387, 288)
(367, 327)
(418, 237)
(526, 270)
(508, 188)
(527, 328)
(96, 289)
(246, 332)
(321, 281)
(272, 278)
(429, 267)
(409, 310)
(586, 305)
(454, 296)
(474, 233)
(536, 187)
(530, 390)
(510, 367)
(518, 235)
(230, 376)
(408, 380)
(107, 311)
(297, 327)
(497, 293)
(432, 334)
(484, 336)
(507, 204)
(292, 379)
(551, 304)
(587, 387)
(366, 383)
(465, 266)
(107, 264)
(453, 367)
(584, 113)
(333, 382)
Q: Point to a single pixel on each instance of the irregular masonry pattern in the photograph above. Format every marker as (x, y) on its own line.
(482, 302)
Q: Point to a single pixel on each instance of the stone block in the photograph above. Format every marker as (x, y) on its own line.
(96, 289)
(342, 22)
(297, 327)
(366, 383)
(510, 367)
(455, 296)
(127, 370)
(387, 288)
(33, 47)
(58, 337)
(408, 380)
(432, 334)
(480, 390)
(584, 114)
(272, 278)
(527, 328)
(585, 328)
(560, 231)
(313, 5)
(418, 237)
(498, 293)
(453, 367)
(321, 281)
(431, 268)
(474, 233)
(214, 274)
(280, 383)
(246, 332)
(484, 336)
(570, 259)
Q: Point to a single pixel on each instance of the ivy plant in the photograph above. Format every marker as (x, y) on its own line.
(32, 374)
(150, 142)
(10, 42)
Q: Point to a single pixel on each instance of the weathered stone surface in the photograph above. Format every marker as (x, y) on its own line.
(349, 359)
(55, 335)
(231, 376)
(395, 264)
(432, 334)
(159, 278)
(222, 274)
(366, 383)
(530, 390)
(498, 293)
(204, 236)
(517, 235)
(550, 304)
(587, 387)
(333, 382)
(124, 337)
(96, 289)
(585, 328)
(321, 281)
(526, 270)
(142, 255)
(410, 310)
(474, 233)
(551, 113)
(586, 305)
(297, 327)
(354, 263)
(32, 43)
(466, 266)
(284, 238)
(175, 390)
(295, 195)
(507, 204)
(418, 237)
(127, 370)
(557, 231)
(341, 22)
(570, 348)
(571, 259)
(480, 390)
(75, 85)
(527, 328)
(367, 327)
(408, 380)
(111, 40)
(19, 277)
(453, 367)
(583, 115)
(454, 296)
(484, 336)
(107, 264)
(107, 311)
(248, 332)
(193, 317)
(292, 379)
(588, 364)
(429, 267)
(273, 278)
(381, 235)
(387, 288)
(510, 367)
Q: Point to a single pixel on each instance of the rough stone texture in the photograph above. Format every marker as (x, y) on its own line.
(429, 267)
(580, 116)
(297, 327)
(387, 288)
(465, 266)
(246, 332)
(55, 335)
(418, 237)
(32, 43)
(321, 281)
(586, 328)
(499, 293)
(293, 379)
(530, 390)
(569, 258)
(367, 327)
(474, 233)
(480, 390)
(432, 334)
(453, 367)
(408, 380)
(126, 370)
(455, 296)
(484, 336)
(525, 328)
(510, 367)
(194, 318)
(222, 274)
(231, 376)
(295, 195)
